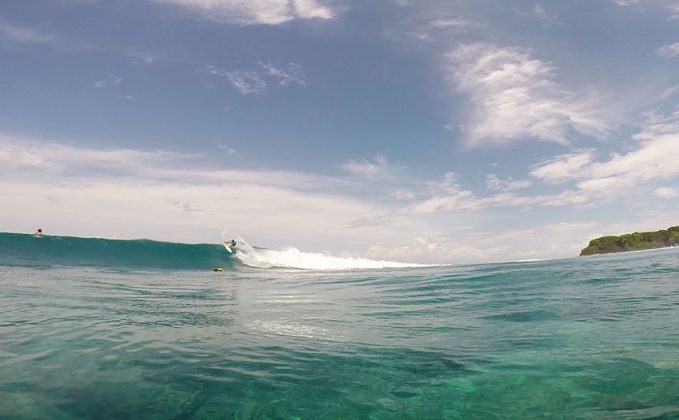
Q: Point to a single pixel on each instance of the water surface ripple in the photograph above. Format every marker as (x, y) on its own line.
(579, 338)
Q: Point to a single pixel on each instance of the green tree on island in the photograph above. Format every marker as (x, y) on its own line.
(633, 242)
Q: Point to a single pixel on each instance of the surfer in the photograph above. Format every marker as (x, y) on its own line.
(38, 233)
(231, 244)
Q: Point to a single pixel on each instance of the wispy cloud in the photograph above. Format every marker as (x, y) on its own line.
(19, 155)
(653, 159)
(16, 35)
(257, 80)
(287, 74)
(669, 50)
(670, 92)
(476, 245)
(109, 80)
(256, 12)
(142, 57)
(425, 26)
(626, 3)
(25, 35)
(666, 192)
(373, 169)
(230, 151)
(514, 96)
(673, 12)
(563, 167)
(538, 12)
(451, 24)
(446, 195)
(246, 82)
(402, 194)
(493, 182)
(456, 198)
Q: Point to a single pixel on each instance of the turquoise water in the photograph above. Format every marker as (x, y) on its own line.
(594, 337)
(27, 250)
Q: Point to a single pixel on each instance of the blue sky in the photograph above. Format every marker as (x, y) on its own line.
(425, 131)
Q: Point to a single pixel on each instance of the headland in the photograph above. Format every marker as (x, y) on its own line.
(636, 241)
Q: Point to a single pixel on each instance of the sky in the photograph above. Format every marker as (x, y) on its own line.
(430, 131)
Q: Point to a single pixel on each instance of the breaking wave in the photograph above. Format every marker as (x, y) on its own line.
(27, 250)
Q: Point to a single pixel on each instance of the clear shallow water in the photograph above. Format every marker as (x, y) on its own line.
(590, 337)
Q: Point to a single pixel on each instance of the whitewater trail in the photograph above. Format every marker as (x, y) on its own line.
(294, 258)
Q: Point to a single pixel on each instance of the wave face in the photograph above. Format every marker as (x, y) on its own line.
(29, 251)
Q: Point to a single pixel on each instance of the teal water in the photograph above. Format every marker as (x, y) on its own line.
(27, 250)
(594, 337)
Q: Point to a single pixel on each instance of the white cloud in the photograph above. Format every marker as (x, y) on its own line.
(514, 96)
(311, 9)
(256, 12)
(666, 192)
(376, 168)
(669, 50)
(74, 190)
(101, 192)
(448, 195)
(594, 181)
(554, 240)
(655, 158)
(563, 167)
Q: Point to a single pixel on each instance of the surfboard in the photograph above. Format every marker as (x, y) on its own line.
(230, 246)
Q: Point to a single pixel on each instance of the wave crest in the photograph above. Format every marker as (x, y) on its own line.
(294, 258)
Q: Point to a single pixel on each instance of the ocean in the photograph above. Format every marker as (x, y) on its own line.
(94, 328)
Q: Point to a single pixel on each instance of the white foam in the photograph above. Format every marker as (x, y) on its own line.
(294, 258)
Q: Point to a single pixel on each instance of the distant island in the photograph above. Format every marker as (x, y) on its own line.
(633, 242)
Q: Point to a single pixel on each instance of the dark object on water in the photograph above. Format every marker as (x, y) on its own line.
(218, 269)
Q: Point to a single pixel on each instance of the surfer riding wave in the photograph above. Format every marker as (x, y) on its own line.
(230, 246)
